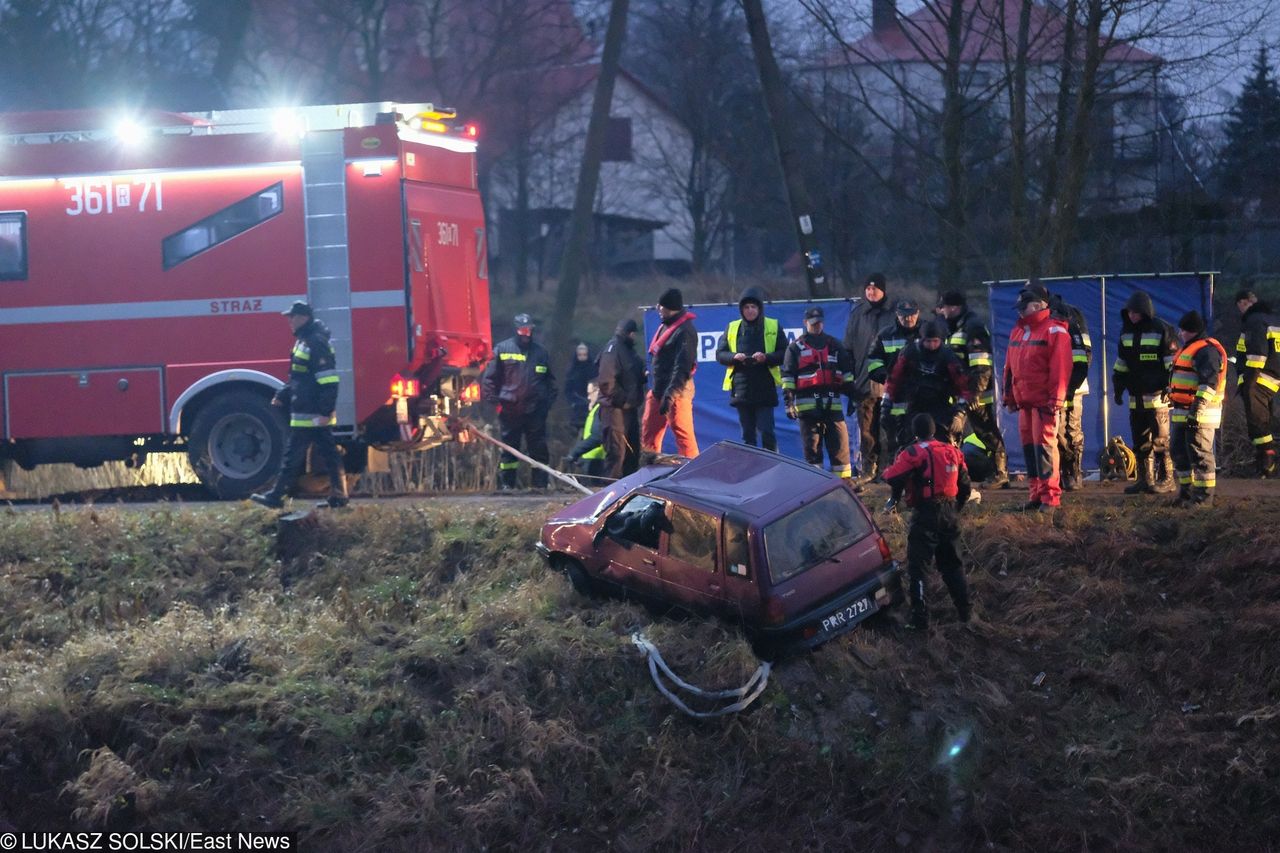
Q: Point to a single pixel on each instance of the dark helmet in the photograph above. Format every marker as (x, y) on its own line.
(522, 323)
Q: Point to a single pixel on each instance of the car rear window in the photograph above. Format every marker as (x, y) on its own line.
(814, 532)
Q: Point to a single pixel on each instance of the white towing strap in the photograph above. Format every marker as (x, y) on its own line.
(746, 694)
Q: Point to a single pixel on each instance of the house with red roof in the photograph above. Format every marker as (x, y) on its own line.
(893, 73)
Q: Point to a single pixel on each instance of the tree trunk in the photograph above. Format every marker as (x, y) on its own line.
(953, 132)
(521, 240)
(575, 249)
(790, 156)
(1026, 263)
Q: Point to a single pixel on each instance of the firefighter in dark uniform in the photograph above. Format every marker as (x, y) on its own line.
(1258, 375)
(751, 350)
(935, 479)
(1197, 389)
(1145, 357)
(866, 319)
(520, 382)
(816, 372)
(1071, 430)
(311, 397)
(620, 378)
(970, 339)
(889, 342)
(928, 378)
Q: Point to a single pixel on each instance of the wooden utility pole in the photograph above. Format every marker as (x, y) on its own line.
(575, 250)
(789, 155)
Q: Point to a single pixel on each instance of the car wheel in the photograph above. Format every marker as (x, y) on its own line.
(578, 576)
(236, 444)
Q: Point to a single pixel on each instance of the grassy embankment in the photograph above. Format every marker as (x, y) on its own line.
(420, 680)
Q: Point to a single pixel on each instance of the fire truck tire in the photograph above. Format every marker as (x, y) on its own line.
(236, 444)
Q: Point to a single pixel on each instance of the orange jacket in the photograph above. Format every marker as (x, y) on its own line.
(1037, 367)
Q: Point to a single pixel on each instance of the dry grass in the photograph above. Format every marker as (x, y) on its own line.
(418, 680)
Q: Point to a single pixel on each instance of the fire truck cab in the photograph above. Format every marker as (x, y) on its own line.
(144, 267)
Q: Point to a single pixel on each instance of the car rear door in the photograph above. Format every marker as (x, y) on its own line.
(689, 563)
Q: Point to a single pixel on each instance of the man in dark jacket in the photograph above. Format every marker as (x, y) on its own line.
(928, 378)
(970, 339)
(866, 319)
(1145, 357)
(1258, 375)
(751, 349)
(620, 377)
(1071, 432)
(311, 396)
(889, 342)
(581, 371)
(816, 371)
(520, 382)
(674, 354)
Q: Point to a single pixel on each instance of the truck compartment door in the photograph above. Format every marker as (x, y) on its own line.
(98, 401)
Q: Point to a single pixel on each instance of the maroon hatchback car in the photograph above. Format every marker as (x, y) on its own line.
(780, 546)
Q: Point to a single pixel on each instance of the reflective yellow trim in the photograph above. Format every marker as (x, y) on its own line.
(1268, 382)
(541, 368)
(508, 466)
(1255, 361)
(512, 356)
(1263, 439)
(1207, 483)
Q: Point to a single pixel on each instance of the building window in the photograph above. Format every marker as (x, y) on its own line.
(617, 140)
(13, 246)
(223, 225)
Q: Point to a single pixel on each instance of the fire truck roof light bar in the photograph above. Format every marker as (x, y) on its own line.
(287, 121)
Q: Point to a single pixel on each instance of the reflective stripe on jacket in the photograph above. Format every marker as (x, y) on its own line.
(312, 391)
(1199, 381)
(772, 331)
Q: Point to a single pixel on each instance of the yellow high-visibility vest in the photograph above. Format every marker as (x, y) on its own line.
(771, 330)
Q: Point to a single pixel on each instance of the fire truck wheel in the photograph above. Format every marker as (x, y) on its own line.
(236, 444)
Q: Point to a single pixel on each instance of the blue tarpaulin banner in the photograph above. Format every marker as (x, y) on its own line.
(713, 418)
(1100, 299)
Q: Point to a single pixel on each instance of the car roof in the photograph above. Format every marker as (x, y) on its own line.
(750, 481)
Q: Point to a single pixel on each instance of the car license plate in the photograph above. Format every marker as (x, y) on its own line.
(848, 615)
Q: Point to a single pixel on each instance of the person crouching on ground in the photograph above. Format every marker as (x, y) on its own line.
(935, 479)
(1037, 371)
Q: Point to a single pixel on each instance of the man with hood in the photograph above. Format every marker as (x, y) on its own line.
(816, 371)
(620, 378)
(1143, 361)
(580, 373)
(889, 343)
(751, 350)
(311, 396)
(866, 319)
(1037, 371)
(1258, 374)
(1197, 389)
(1071, 430)
(970, 339)
(928, 378)
(519, 381)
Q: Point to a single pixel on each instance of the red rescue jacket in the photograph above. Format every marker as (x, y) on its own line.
(929, 470)
(1037, 368)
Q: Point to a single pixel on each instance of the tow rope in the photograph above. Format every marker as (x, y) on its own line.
(746, 694)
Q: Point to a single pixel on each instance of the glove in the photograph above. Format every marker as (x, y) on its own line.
(886, 409)
(664, 406)
(1193, 418)
(852, 406)
(957, 422)
(1119, 397)
(569, 461)
(890, 505)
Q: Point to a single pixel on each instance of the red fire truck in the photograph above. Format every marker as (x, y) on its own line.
(144, 266)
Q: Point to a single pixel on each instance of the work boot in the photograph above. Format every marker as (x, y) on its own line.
(333, 502)
(1266, 462)
(1184, 495)
(1146, 474)
(1000, 478)
(268, 500)
(1201, 498)
(1167, 481)
(1032, 505)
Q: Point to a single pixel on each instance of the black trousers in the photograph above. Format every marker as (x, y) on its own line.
(621, 441)
(934, 531)
(1150, 429)
(295, 459)
(1257, 415)
(532, 429)
(1071, 439)
(757, 422)
(869, 433)
(831, 432)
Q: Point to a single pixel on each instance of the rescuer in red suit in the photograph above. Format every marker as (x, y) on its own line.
(1037, 372)
(311, 396)
(936, 481)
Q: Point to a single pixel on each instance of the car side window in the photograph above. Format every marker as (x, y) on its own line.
(735, 548)
(640, 521)
(693, 537)
(13, 246)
